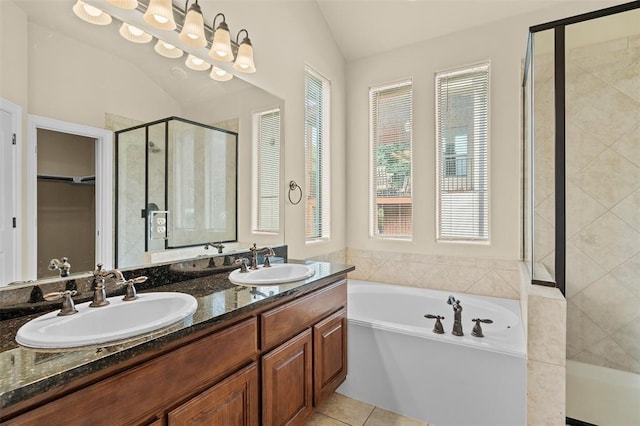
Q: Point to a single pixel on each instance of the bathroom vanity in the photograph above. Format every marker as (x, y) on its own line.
(248, 356)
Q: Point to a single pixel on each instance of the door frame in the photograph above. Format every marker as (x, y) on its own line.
(15, 196)
(104, 187)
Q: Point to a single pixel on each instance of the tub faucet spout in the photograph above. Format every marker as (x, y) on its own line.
(457, 316)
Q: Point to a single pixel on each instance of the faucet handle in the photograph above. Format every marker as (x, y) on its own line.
(68, 306)
(437, 328)
(130, 292)
(243, 264)
(267, 262)
(477, 329)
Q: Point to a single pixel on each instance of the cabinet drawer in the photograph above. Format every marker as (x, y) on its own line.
(283, 322)
(135, 395)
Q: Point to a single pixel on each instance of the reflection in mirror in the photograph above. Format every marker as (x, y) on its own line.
(181, 176)
(85, 75)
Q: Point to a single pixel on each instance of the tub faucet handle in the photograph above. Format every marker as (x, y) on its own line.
(437, 328)
(477, 329)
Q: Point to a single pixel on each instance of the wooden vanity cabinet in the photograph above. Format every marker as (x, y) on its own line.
(233, 402)
(305, 369)
(273, 368)
(329, 355)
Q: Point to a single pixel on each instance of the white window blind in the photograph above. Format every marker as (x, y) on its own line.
(267, 166)
(391, 115)
(462, 117)
(316, 143)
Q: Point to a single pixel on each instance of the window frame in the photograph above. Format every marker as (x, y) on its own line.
(470, 69)
(374, 232)
(324, 192)
(256, 116)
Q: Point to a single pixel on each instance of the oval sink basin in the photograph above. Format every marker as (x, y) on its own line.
(276, 274)
(116, 321)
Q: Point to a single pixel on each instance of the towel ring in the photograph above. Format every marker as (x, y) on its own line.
(292, 187)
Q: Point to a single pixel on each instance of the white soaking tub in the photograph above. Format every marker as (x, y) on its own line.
(396, 361)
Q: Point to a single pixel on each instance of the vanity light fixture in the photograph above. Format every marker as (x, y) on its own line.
(124, 4)
(193, 27)
(196, 63)
(218, 74)
(159, 14)
(167, 50)
(91, 14)
(244, 58)
(221, 43)
(134, 34)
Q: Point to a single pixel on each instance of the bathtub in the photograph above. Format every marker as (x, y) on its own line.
(396, 362)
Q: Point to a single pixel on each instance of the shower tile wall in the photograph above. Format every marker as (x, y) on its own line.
(603, 200)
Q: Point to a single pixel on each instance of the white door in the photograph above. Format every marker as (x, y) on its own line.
(9, 116)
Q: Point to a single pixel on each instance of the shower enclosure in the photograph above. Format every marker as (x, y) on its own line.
(581, 186)
(176, 183)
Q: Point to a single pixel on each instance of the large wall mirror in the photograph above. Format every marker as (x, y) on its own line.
(90, 75)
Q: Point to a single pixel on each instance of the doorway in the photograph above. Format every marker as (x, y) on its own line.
(69, 195)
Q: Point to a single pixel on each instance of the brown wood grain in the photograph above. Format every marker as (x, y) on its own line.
(329, 355)
(136, 395)
(279, 324)
(287, 390)
(232, 402)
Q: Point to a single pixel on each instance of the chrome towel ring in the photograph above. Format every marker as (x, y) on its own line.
(292, 187)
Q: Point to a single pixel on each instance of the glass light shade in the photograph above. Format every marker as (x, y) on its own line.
(193, 29)
(167, 50)
(244, 59)
(196, 63)
(124, 4)
(134, 34)
(160, 15)
(221, 46)
(218, 74)
(91, 14)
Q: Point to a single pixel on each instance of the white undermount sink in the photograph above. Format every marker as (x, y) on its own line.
(277, 273)
(116, 321)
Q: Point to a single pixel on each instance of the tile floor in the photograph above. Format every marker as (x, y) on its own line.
(340, 410)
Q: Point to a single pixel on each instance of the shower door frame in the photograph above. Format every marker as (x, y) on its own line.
(559, 27)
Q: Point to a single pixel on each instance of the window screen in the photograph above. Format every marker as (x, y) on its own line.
(316, 142)
(462, 116)
(391, 138)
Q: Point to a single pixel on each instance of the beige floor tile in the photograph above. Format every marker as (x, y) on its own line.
(318, 419)
(382, 417)
(345, 409)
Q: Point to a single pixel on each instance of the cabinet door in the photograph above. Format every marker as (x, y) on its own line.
(232, 402)
(287, 382)
(329, 354)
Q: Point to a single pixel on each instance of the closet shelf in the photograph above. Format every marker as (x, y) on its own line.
(78, 180)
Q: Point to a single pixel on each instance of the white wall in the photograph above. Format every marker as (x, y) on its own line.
(502, 43)
(286, 36)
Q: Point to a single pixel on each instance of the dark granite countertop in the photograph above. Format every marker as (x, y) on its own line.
(27, 372)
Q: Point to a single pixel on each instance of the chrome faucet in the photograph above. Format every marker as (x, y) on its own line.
(62, 265)
(457, 316)
(254, 256)
(98, 285)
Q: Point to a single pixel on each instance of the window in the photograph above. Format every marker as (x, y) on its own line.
(462, 117)
(391, 137)
(266, 142)
(316, 145)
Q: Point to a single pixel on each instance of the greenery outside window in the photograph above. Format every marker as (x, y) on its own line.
(391, 133)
